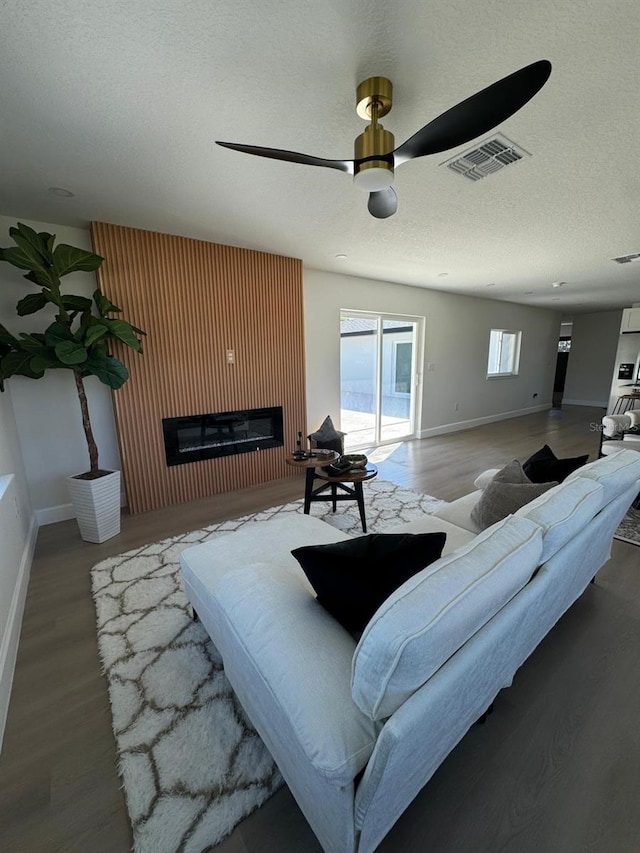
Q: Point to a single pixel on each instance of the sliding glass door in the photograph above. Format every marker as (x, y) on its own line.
(378, 377)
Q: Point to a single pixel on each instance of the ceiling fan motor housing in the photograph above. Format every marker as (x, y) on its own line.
(376, 173)
(374, 99)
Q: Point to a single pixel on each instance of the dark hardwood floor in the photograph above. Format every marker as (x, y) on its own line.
(555, 769)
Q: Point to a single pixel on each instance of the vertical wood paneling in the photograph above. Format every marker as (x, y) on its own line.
(195, 300)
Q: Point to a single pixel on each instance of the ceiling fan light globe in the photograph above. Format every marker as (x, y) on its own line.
(374, 179)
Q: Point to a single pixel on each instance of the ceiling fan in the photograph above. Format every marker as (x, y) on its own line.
(375, 157)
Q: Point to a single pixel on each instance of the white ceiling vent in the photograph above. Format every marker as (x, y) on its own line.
(488, 157)
(627, 259)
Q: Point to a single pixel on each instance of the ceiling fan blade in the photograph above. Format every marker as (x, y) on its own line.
(383, 203)
(477, 114)
(291, 156)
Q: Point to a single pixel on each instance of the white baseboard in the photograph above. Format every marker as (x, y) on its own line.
(52, 514)
(63, 512)
(489, 419)
(600, 404)
(9, 643)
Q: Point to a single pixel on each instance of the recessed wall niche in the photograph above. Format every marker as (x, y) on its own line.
(224, 333)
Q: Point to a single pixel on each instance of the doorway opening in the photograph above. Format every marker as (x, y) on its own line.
(562, 362)
(379, 377)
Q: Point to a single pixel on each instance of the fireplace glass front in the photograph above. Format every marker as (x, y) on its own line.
(196, 437)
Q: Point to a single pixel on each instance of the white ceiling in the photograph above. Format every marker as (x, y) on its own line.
(121, 102)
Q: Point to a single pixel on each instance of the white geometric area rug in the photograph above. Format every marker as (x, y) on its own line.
(192, 766)
(629, 529)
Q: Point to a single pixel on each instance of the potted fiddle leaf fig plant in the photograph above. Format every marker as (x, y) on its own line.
(77, 340)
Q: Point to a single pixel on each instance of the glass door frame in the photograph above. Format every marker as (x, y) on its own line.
(417, 360)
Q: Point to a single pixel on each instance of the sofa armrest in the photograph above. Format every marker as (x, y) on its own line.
(483, 480)
(459, 512)
(614, 425)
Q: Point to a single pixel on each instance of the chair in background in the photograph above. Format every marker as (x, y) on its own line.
(620, 432)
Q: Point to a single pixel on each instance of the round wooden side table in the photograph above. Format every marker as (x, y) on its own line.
(310, 463)
(356, 477)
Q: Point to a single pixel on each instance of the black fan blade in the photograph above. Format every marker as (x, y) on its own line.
(291, 156)
(383, 203)
(478, 114)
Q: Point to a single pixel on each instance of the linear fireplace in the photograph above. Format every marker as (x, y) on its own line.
(197, 437)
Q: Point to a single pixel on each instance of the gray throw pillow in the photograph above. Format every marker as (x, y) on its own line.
(509, 490)
(328, 437)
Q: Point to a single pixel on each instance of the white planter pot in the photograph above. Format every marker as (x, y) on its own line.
(96, 504)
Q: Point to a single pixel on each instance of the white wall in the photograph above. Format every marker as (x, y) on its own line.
(457, 342)
(17, 538)
(47, 410)
(594, 340)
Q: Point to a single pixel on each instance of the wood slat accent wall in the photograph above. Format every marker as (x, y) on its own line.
(196, 300)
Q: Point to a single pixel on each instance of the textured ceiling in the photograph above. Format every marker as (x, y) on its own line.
(121, 102)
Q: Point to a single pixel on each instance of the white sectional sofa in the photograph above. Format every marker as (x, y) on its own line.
(358, 728)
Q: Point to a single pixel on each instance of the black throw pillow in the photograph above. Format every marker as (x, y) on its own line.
(544, 466)
(352, 578)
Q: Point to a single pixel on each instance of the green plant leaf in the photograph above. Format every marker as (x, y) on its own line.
(76, 303)
(68, 259)
(108, 369)
(46, 278)
(56, 333)
(31, 303)
(18, 364)
(24, 259)
(70, 352)
(104, 305)
(123, 331)
(31, 343)
(29, 240)
(44, 360)
(94, 333)
(49, 240)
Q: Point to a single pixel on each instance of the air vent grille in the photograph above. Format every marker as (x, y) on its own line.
(627, 259)
(490, 156)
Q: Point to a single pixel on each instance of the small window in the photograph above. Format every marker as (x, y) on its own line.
(402, 372)
(504, 353)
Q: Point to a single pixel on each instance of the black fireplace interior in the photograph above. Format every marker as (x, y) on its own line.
(197, 437)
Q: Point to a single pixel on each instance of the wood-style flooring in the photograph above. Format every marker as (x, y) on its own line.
(555, 769)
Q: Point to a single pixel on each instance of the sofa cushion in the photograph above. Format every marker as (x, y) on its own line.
(272, 541)
(289, 662)
(353, 578)
(435, 612)
(609, 447)
(545, 467)
(563, 511)
(509, 490)
(615, 473)
(456, 535)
